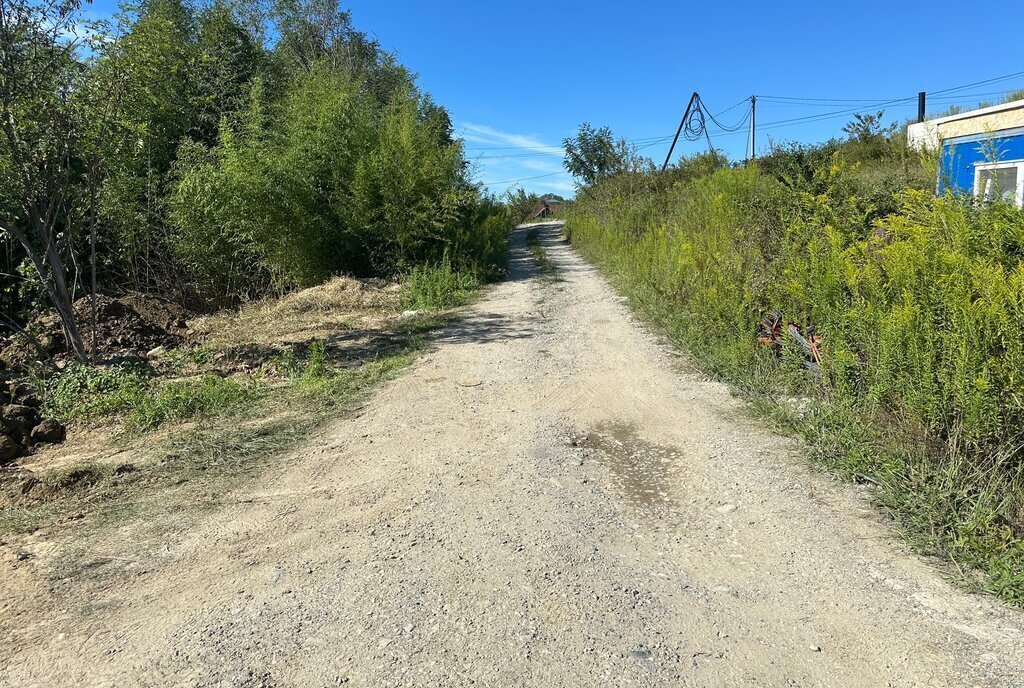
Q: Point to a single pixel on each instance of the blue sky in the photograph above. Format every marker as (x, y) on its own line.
(518, 77)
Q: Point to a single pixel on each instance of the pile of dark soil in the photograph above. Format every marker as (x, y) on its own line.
(130, 325)
(22, 426)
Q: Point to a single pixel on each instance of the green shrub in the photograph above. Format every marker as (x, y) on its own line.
(438, 287)
(316, 362)
(130, 391)
(918, 301)
(243, 158)
(329, 183)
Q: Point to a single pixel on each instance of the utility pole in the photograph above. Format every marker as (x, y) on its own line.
(753, 129)
(921, 96)
(682, 123)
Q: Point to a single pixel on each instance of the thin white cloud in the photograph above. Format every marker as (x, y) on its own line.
(504, 160)
(540, 166)
(490, 137)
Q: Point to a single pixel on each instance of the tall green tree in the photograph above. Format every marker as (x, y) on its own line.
(594, 154)
(228, 58)
(188, 153)
(40, 123)
(521, 204)
(155, 62)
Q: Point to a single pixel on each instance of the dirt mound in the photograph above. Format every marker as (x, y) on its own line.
(340, 292)
(131, 324)
(340, 304)
(128, 325)
(171, 316)
(22, 425)
(119, 327)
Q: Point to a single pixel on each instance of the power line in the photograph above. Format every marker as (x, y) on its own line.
(818, 118)
(552, 174)
(958, 98)
(788, 122)
(694, 123)
(732, 107)
(499, 148)
(522, 179)
(967, 97)
(797, 101)
(645, 142)
(654, 143)
(931, 94)
(1005, 77)
(735, 127)
(487, 148)
(979, 83)
(518, 155)
(837, 113)
(695, 119)
(822, 100)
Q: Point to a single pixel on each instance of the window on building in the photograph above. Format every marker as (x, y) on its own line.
(1002, 180)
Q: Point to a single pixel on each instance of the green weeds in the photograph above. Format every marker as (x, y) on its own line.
(84, 393)
(438, 287)
(131, 392)
(918, 304)
(178, 400)
(187, 356)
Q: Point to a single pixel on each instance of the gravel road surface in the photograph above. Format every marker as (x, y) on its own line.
(548, 497)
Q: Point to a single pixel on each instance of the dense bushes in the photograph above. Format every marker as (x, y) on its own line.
(438, 287)
(216, 157)
(919, 302)
(924, 315)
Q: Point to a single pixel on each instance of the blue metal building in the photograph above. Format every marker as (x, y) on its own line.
(982, 151)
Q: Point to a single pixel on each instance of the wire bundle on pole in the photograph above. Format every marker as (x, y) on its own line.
(697, 119)
(694, 124)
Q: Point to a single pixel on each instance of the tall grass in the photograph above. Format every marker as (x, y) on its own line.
(438, 286)
(921, 311)
(186, 399)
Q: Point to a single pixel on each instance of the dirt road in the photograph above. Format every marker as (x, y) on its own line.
(548, 498)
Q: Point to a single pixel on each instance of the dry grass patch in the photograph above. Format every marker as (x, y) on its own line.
(254, 379)
(341, 304)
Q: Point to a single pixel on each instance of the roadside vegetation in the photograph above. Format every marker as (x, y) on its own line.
(438, 286)
(149, 435)
(222, 223)
(216, 153)
(903, 370)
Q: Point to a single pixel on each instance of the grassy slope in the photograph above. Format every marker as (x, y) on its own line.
(892, 405)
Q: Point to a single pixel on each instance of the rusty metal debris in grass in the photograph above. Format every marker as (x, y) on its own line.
(772, 333)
